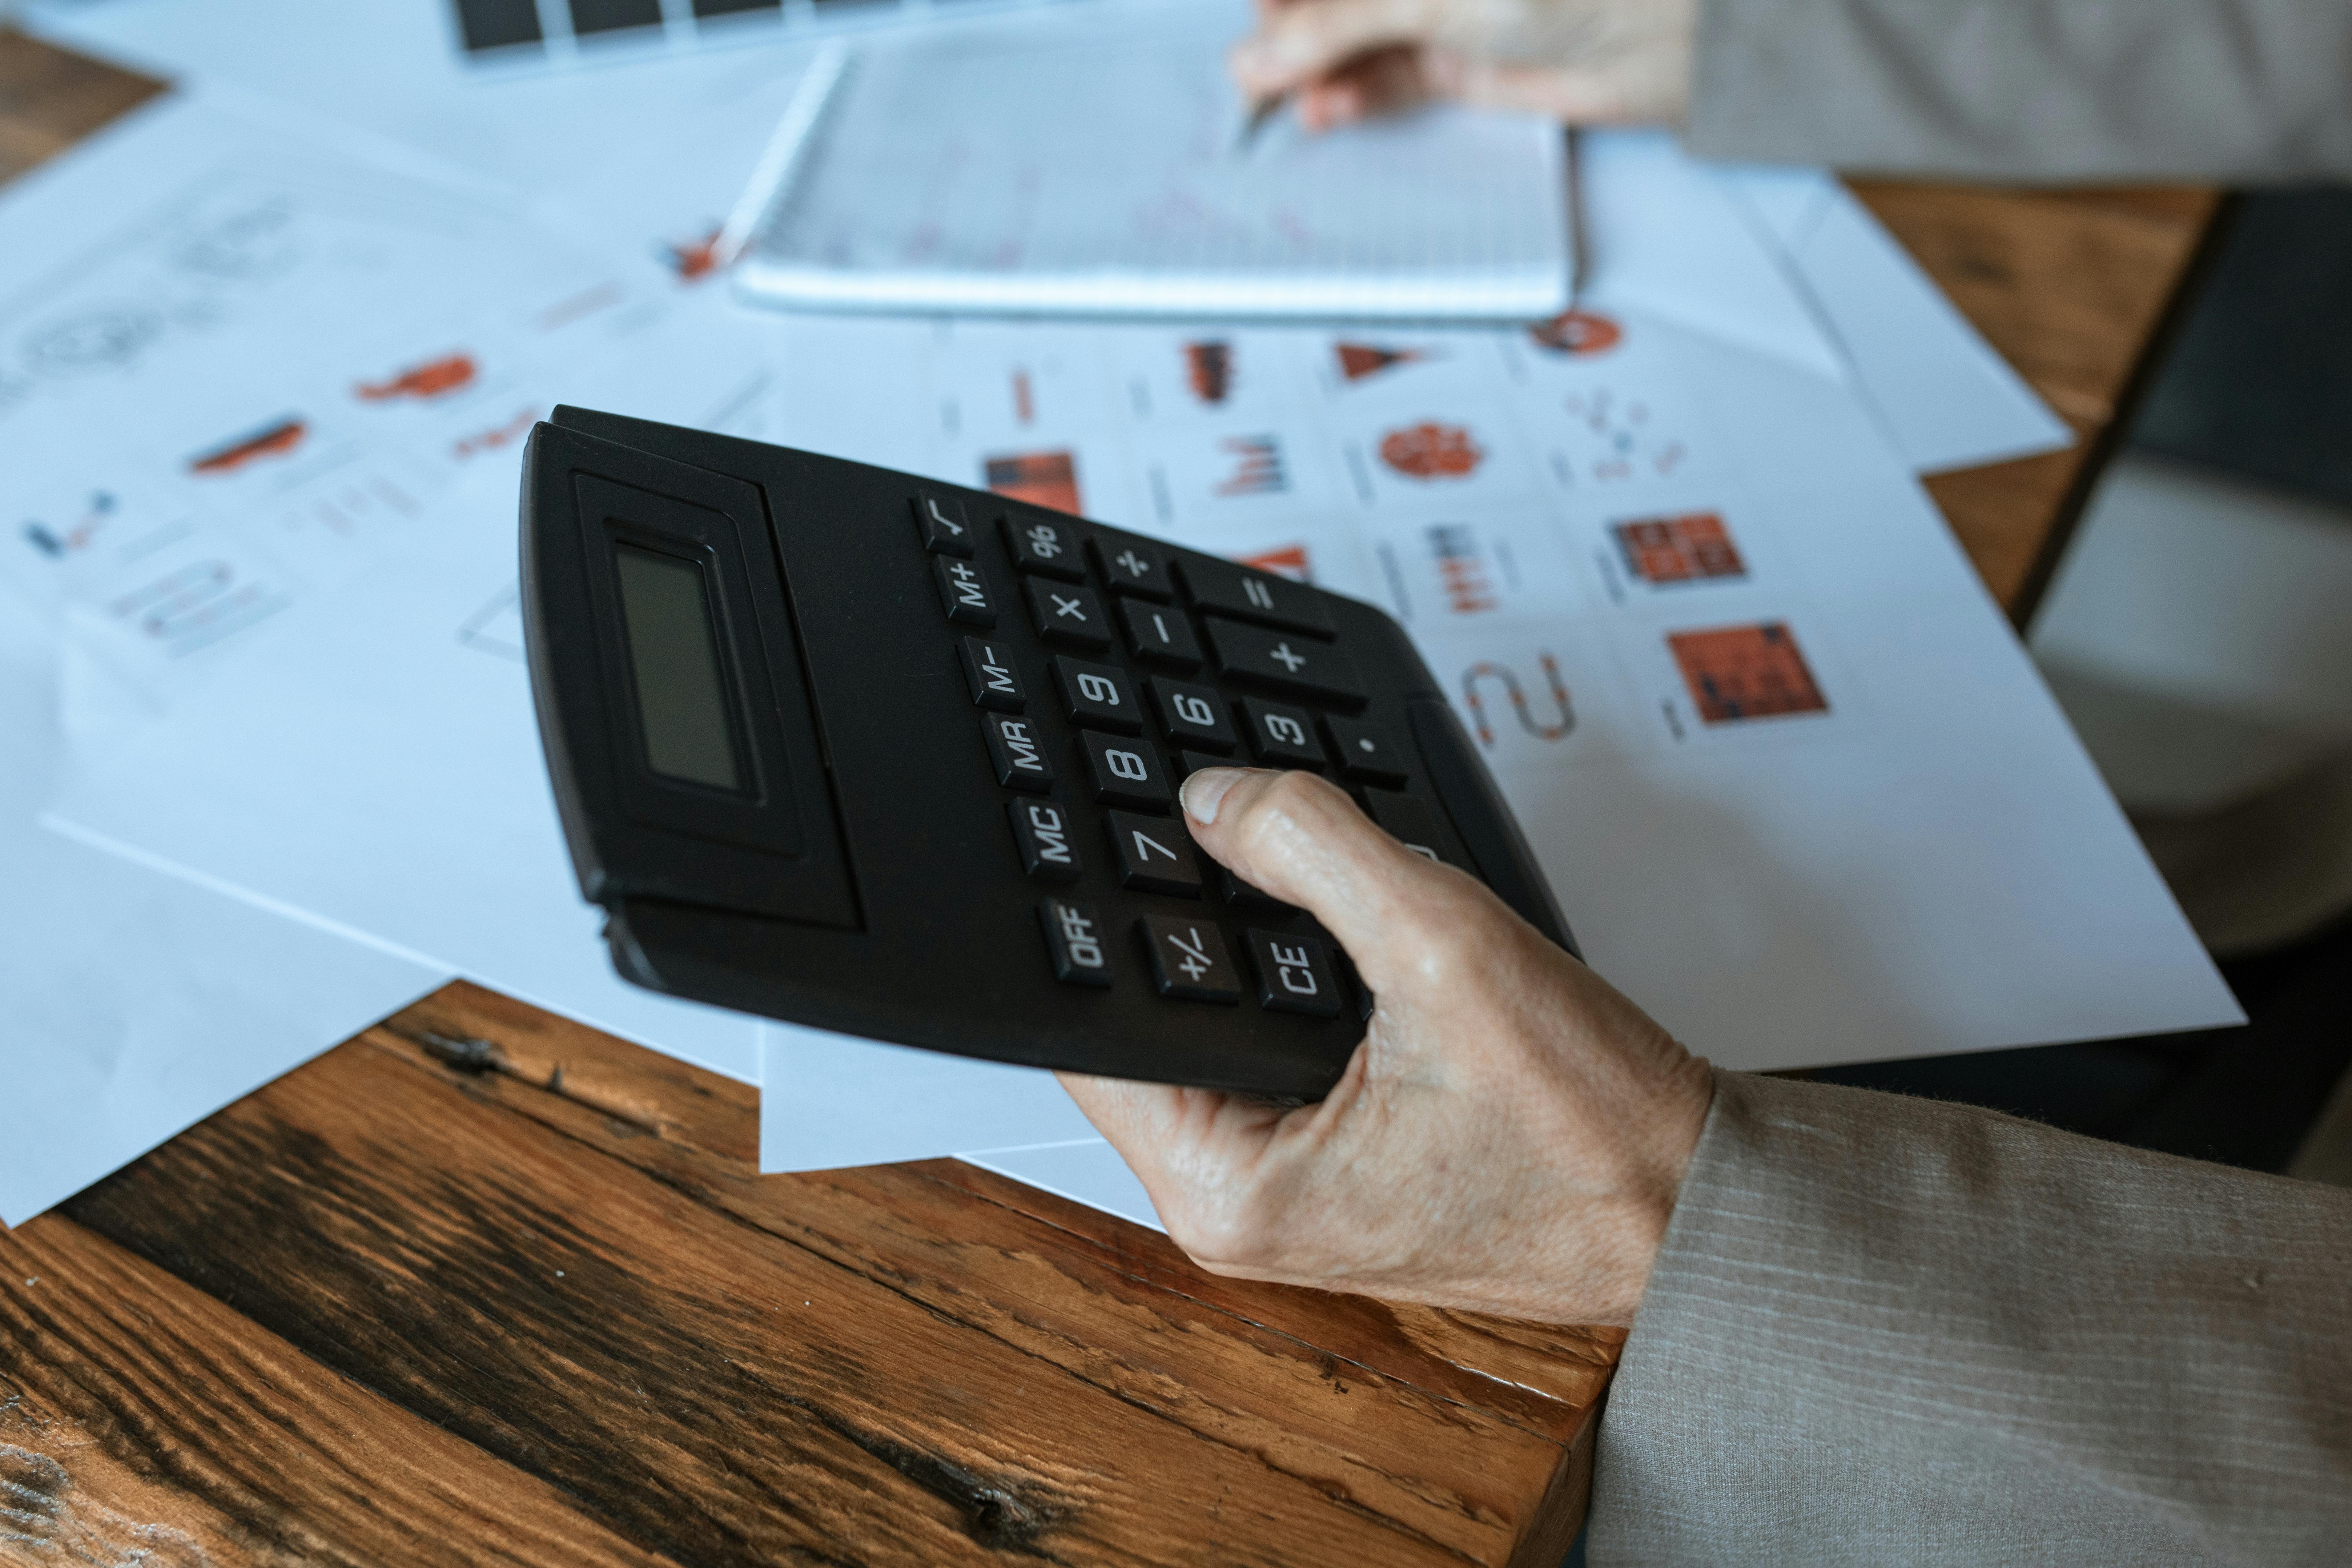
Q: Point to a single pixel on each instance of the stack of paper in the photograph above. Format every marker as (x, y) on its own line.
(261, 389)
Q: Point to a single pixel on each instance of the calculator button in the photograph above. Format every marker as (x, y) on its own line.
(963, 591)
(1155, 855)
(1043, 832)
(1015, 746)
(1283, 662)
(1159, 633)
(1074, 938)
(1124, 771)
(1294, 974)
(1281, 735)
(1131, 566)
(1189, 960)
(1097, 696)
(942, 522)
(988, 670)
(1191, 715)
(1233, 590)
(1191, 762)
(1044, 546)
(1246, 895)
(1071, 617)
(1412, 823)
(1364, 752)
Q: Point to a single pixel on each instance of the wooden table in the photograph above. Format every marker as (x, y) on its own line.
(482, 1285)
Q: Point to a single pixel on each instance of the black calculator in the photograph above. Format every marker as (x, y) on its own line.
(865, 751)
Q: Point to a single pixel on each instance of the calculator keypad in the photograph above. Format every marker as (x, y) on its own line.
(1191, 715)
(1105, 604)
(1159, 633)
(1068, 616)
(1097, 696)
(1121, 772)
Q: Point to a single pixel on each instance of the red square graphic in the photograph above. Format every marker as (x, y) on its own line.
(1685, 549)
(1040, 479)
(1746, 672)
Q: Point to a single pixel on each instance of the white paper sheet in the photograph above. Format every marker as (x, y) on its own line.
(138, 1005)
(361, 753)
(1945, 398)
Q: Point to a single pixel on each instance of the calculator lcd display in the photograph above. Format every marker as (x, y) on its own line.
(674, 654)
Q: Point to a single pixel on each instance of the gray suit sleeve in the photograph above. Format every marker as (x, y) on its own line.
(1885, 1330)
(2238, 91)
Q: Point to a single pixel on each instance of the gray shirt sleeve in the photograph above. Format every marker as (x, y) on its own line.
(1885, 1330)
(2240, 91)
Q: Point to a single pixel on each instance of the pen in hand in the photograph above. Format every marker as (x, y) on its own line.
(1261, 114)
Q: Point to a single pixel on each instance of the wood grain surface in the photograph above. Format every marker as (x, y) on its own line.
(485, 1286)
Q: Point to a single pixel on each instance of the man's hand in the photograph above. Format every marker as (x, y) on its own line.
(1508, 1137)
(1610, 62)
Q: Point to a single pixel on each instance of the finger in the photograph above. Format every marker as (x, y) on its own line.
(1384, 81)
(1301, 839)
(1298, 44)
(1573, 97)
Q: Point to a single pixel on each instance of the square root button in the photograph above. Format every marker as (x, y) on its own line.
(1188, 961)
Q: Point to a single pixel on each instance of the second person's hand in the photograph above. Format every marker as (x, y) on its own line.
(1579, 61)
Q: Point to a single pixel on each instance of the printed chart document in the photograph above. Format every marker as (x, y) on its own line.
(1092, 165)
(264, 400)
(1796, 785)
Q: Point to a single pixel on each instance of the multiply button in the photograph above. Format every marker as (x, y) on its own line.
(1160, 635)
(1041, 831)
(1364, 752)
(988, 670)
(1124, 771)
(1189, 960)
(1155, 855)
(1283, 662)
(1280, 734)
(1192, 715)
(1294, 974)
(1130, 566)
(941, 523)
(1044, 546)
(1233, 590)
(1096, 696)
(1018, 754)
(1074, 940)
(963, 591)
(1071, 617)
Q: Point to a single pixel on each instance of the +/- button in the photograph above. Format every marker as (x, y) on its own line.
(1364, 752)
(1294, 974)
(1259, 596)
(1281, 735)
(1131, 566)
(988, 670)
(963, 591)
(1282, 662)
(1044, 546)
(1074, 940)
(1159, 633)
(1070, 616)
(943, 523)
(1188, 961)
(1191, 715)
(1155, 855)
(1124, 771)
(1097, 696)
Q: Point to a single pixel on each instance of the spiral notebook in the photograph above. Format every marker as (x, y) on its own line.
(1100, 171)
